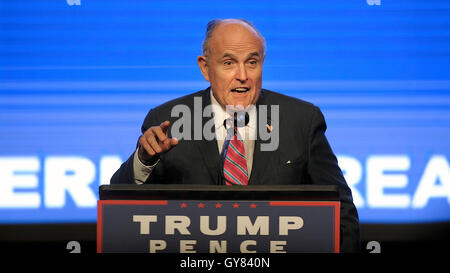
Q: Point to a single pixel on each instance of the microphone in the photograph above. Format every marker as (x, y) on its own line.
(240, 119)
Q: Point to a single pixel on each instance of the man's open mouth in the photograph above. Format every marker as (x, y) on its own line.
(240, 89)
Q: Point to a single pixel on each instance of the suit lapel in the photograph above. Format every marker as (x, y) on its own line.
(261, 159)
(208, 148)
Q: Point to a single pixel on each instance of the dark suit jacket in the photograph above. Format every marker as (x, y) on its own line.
(301, 140)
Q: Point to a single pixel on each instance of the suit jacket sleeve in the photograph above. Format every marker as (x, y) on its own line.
(125, 174)
(323, 169)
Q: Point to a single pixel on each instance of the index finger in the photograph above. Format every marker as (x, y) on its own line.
(164, 126)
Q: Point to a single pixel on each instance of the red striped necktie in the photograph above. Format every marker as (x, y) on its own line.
(235, 162)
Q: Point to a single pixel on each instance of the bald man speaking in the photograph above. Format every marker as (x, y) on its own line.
(236, 133)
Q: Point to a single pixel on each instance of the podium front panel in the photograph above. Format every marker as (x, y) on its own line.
(218, 226)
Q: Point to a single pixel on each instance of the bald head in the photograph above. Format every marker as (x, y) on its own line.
(229, 24)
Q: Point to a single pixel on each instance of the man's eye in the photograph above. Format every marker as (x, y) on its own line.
(227, 63)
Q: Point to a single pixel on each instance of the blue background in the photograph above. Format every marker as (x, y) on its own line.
(78, 80)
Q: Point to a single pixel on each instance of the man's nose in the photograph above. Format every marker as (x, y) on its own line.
(241, 74)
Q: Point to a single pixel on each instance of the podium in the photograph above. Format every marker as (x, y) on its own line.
(218, 219)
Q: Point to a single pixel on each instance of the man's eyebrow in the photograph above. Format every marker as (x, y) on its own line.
(250, 55)
(228, 55)
(253, 54)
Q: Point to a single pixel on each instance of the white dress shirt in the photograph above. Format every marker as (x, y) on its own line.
(248, 134)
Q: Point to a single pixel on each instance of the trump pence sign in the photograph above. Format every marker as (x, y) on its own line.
(218, 226)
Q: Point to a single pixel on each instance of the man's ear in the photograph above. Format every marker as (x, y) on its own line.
(202, 63)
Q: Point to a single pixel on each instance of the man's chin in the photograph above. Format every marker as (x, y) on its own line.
(240, 102)
(239, 105)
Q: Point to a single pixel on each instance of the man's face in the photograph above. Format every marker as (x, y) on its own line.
(234, 64)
